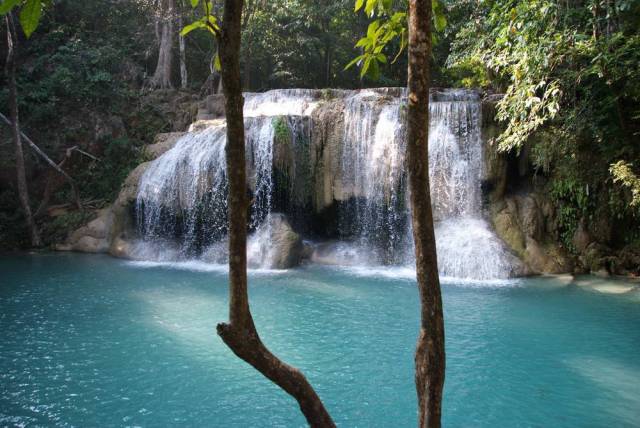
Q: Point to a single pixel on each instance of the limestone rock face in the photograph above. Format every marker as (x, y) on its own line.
(112, 228)
(162, 143)
(524, 223)
(275, 245)
(326, 154)
(93, 237)
(581, 237)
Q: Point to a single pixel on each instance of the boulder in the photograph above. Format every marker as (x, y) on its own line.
(594, 257)
(121, 248)
(214, 104)
(92, 237)
(522, 223)
(275, 245)
(630, 259)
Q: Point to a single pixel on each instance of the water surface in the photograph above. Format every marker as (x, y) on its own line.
(95, 341)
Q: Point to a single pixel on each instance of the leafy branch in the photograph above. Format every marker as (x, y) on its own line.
(388, 26)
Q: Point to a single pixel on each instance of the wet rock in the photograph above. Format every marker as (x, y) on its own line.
(275, 245)
(337, 253)
(121, 248)
(326, 154)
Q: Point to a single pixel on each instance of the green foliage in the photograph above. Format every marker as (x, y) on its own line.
(571, 91)
(61, 226)
(103, 179)
(30, 13)
(30, 16)
(622, 173)
(390, 25)
(207, 21)
(281, 129)
(572, 201)
(379, 34)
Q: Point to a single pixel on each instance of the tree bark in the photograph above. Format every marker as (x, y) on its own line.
(23, 190)
(183, 56)
(161, 78)
(240, 333)
(430, 353)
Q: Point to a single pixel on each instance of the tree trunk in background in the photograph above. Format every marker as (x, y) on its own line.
(161, 79)
(247, 67)
(23, 191)
(240, 333)
(430, 355)
(183, 55)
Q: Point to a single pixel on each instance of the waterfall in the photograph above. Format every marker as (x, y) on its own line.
(181, 204)
(467, 246)
(373, 171)
(378, 218)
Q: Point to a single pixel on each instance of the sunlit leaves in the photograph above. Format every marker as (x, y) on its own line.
(386, 28)
(30, 13)
(379, 34)
(7, 5)
(623, 174)
(207, 21)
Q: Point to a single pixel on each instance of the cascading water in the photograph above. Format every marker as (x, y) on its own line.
(466, 245)
(373, 168)
(182, 195)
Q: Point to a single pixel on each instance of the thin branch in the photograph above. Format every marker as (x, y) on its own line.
(51, 163)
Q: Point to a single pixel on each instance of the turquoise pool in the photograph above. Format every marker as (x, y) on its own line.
(95, 341)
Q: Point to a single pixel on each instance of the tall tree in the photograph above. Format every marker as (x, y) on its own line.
(240, 333)
(430, 354)
(161, 78)
(389, 25)
(23, 190)
(183, 55)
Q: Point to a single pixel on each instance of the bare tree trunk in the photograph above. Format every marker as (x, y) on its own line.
(430, 355)
(183, 56)
(23, 190)
(52, 164)
(247, 67)
(240, 333)
(161, 78)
